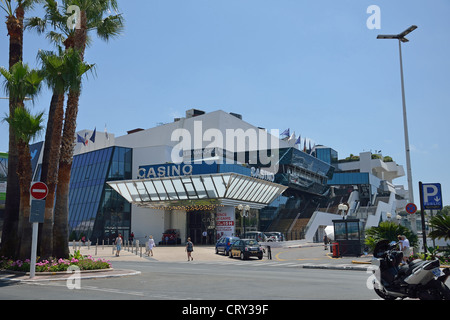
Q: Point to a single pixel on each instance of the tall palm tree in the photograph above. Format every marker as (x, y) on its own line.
(21, 82)
(61, 72)
(15, 27)
(94, 15)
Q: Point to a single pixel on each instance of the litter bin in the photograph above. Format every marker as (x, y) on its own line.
(335, 247)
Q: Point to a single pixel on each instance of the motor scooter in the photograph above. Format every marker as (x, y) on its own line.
(421, 279)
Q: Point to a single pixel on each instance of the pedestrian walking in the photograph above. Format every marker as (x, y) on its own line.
(118, 242)
(404, 247)
(150, 245)
(189, 249)
(325, 242)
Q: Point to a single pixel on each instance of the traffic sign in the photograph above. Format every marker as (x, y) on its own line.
(431, 196)
(37, 211)
(39, 190)
(411, 208)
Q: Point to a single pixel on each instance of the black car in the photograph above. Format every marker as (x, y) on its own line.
(245, 248)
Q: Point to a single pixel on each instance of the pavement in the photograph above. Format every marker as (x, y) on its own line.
(293, 253)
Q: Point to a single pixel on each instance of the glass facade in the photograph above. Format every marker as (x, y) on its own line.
(327, 155)
(95, 210)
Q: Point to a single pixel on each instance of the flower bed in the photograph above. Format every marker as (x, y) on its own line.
(56, 265)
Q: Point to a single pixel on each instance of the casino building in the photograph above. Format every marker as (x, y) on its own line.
(210, 174)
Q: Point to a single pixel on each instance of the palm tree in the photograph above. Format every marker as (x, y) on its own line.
(388, 230)
(92, 17)
(441, 226)
(61, 72)
(14, 25)
(21, 82)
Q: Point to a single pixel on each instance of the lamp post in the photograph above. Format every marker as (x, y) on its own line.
(343, 208)
(244, 213)
(401, 38)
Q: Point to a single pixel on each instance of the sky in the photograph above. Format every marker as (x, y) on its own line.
(314, 67)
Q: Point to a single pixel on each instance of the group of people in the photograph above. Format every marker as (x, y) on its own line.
(151, 243)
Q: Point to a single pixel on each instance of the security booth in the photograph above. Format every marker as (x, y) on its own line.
(348, 237)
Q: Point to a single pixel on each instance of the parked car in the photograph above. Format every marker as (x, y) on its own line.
(257, 235)
(245, 248)
(171, 236)
(274, 236)
(224, 244)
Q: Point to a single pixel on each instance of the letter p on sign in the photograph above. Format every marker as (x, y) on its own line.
(432, 196)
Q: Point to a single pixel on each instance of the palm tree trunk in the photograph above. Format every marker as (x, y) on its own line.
(24, 173)
(14, 26)
(61, 228)
(49, 173)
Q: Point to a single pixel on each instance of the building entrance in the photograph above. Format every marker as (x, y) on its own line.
(201, 226)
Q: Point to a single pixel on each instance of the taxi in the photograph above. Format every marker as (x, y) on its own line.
(246, 248)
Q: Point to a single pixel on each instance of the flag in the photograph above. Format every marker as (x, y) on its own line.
(80, 139)
(106, 133)
(285, 133)
(93, 136)
(298, 141)
(292, 137)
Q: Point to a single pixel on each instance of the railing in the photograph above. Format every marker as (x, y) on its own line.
(133, 247)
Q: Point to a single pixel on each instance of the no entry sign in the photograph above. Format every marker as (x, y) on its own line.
(39, 190)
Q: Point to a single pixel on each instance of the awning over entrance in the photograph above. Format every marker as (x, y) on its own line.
(229, 189)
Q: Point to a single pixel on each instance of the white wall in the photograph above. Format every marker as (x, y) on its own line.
(145, 222)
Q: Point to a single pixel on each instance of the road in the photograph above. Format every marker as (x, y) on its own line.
(205, 280)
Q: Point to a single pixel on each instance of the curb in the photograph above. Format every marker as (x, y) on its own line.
(88, 274)
(331, 267)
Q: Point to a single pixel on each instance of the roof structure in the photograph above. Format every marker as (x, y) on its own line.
(199, 190)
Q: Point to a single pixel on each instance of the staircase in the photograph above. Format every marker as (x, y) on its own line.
(293, 219)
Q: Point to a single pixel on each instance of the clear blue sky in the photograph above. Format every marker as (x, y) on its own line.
(311, 66)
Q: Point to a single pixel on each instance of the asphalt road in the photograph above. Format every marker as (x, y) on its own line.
(203, 280)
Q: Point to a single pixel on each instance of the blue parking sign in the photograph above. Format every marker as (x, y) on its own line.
(432, 196)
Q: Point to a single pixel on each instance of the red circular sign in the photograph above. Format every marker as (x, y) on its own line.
(411, 208)
(39, 190)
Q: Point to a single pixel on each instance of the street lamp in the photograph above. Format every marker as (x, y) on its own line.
(401, 38)
(244, 213)
(343, 208)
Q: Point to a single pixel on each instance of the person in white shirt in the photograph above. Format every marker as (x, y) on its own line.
(404, 247)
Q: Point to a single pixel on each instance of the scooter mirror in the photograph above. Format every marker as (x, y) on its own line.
(392, 243)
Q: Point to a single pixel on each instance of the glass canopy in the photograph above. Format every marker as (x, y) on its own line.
(194, 190)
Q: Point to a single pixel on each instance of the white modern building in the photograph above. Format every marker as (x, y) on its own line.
(211, 174)
(365, 185)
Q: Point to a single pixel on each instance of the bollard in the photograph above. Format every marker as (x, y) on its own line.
(96, 246)
(137, 246)
(73, 246)
(103, 244)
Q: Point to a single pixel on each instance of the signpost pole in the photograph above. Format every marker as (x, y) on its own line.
(422, 215)
(34, 249)
(38, 191)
